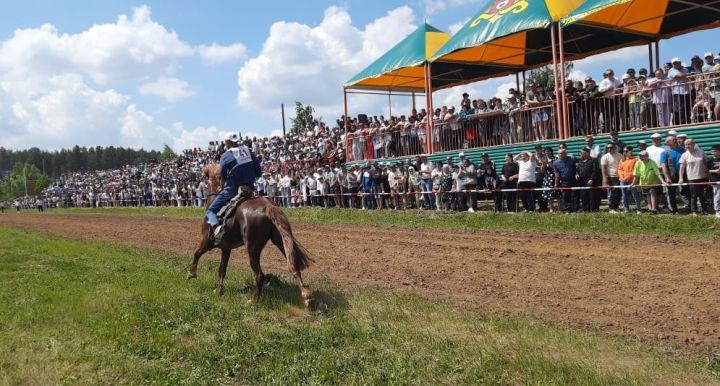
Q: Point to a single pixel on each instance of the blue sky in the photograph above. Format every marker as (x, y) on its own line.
(184, 72)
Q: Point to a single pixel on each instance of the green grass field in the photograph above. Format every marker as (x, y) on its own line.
(84, 313)
(592, 223)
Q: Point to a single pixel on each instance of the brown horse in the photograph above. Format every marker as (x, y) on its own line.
(254, 223)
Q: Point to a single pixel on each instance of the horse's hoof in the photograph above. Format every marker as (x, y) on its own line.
(191, 275)
(219, 291)
(251, 302)
(311, 304)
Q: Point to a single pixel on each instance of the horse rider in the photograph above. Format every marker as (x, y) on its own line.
(238, 170)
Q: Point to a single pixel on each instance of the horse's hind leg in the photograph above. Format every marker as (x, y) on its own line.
(201, 249)
(254, 254)
(222, 270)
(304, 290)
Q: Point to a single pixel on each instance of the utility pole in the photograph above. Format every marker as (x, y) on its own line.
(282, 112)
(25, 177)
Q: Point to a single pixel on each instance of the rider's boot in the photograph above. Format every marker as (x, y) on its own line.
(216, 234)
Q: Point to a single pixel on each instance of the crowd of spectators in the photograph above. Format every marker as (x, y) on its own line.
(676, 94)
(301, 169)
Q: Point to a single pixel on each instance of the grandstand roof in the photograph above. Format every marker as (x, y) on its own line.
(604, 25)
(497, 42)
(497, 34)
(400, 68)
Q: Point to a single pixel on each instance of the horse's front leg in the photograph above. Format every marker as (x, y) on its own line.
(222, 270)
(201, 249)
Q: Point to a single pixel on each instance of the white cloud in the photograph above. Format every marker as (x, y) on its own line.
(623, 55)
(306, 63)
(434, 6)
(71, 113)
(132, 48)
(577, 75)
(454, 28)
(56, 89)
(216, 53)
(171, 89)
(497, 87)
(198, 137)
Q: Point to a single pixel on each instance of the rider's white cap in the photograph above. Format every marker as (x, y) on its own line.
(232, 137)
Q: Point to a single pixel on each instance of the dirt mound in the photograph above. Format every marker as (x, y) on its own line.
(650, 288)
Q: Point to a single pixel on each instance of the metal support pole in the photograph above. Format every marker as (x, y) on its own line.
(558, 104)
(430, 123)
(282, 113)
(390, 102)
(657, 54)
(517, 81)
(523, 82)
(413, 100)
(345, 123)
(650, 59)
(25, 177)
(564, 101)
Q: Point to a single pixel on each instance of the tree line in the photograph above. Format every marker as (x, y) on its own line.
(59, 162)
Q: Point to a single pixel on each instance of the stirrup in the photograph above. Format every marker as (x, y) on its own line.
(216, 234)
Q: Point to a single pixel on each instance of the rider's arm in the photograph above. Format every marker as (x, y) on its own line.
(256, 166)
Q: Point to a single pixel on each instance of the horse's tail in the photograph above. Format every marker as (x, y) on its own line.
(298, 257)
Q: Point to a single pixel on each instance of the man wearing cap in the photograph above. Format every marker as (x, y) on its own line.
(609, 166)
(661, 97)
(647, 175)
(642, 145)
(238, 170)
(678, 77)
(681, 140)
(709, 63)
(609, 87)
(670, 166)
(656, 149)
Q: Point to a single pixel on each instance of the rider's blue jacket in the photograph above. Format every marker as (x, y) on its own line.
(239, 166)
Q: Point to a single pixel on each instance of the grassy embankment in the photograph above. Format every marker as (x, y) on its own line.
(85, 313)
(592, 223)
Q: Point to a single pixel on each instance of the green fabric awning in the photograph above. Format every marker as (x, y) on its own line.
(599, 26)
(401, 67)
(504, 37)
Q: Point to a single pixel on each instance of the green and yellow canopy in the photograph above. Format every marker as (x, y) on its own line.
(602, 25)
(500, 33)
(401, 67)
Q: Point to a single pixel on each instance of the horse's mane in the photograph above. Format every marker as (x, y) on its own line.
(212, 172)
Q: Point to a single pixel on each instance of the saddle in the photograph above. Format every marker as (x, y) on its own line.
(228, 210)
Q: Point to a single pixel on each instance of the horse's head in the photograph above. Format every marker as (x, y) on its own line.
(212, 173)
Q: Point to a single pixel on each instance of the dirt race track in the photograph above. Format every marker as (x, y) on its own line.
(653, 289)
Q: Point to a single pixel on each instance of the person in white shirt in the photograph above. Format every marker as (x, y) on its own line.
(285, 185)
(678, 79)
(609, 87)
(435, 176)
(394, 181)
(656, 149)
(609, 165)
(594, 149)
(526, 178)
(426, 182)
